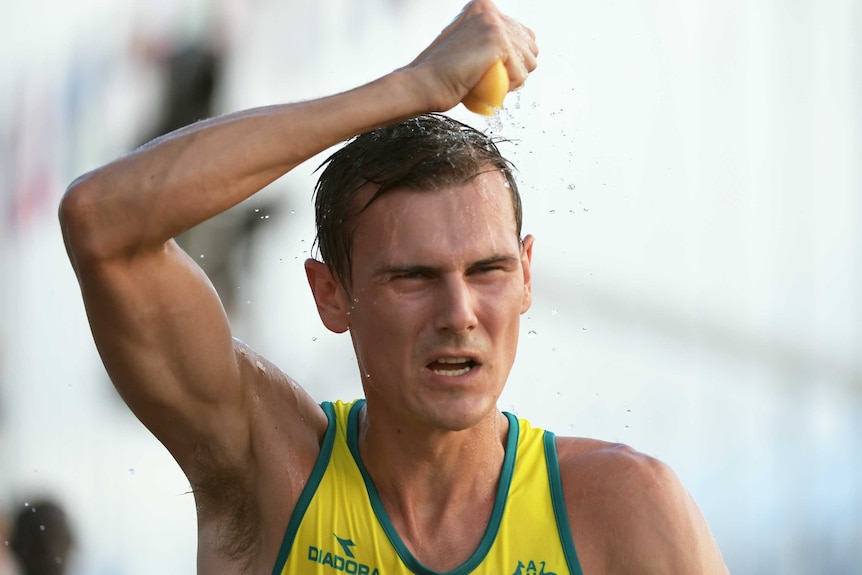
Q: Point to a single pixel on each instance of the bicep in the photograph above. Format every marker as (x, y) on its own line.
(164, 339)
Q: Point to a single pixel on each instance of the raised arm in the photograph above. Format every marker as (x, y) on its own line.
(158, 324)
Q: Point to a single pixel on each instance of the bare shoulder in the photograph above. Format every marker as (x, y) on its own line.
(268, 418)
(629, 512)
(274, 425)
(246, 483)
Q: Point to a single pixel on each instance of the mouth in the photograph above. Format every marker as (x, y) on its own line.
(452, 366)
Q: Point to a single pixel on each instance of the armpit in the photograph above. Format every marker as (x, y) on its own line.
(226, 505)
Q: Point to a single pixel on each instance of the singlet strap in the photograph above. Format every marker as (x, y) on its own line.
(310, 488)
(560, 512)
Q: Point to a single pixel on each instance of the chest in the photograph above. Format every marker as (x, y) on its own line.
(341, 525)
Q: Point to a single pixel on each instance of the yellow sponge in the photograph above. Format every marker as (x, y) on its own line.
(486, 97)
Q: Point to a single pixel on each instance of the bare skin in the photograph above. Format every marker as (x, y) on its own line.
(247, 436)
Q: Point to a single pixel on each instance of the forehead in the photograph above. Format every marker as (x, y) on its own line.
(463, 220)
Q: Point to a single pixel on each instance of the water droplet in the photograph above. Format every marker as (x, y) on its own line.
(531, 334)
(41, 528)
(583, 329)
(202, 256)
(256, 210)
(314, 339)
(570, 187)
(628, 411)
(248, 301)
(554, 311)
(292, 211)
(627, 426)
(131, 470)
(552, 212)
(558, 394)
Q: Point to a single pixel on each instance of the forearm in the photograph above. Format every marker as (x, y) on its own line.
(167, 186)
(141, 200)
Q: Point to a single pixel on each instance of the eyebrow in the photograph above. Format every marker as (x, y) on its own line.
(432, 270)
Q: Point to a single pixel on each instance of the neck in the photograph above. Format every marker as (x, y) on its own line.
(421, 470)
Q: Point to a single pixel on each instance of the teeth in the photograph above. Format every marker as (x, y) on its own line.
(452, 372)
(453, 360)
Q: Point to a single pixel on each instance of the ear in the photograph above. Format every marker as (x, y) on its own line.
(526, 262)
(329, 295)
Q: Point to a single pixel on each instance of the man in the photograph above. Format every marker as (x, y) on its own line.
(419, 227)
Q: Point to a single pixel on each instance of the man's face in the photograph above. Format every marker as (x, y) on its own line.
(440, 280)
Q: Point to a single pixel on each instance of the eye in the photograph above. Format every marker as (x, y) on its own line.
(487, 269)
(408, 275)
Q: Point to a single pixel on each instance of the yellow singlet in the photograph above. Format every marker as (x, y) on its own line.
(340, 526)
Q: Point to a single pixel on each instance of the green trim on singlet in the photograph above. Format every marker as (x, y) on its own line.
(560, 512)
(310, 488)
(383, 518)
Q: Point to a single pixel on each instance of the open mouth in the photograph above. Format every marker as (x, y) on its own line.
(452, 366)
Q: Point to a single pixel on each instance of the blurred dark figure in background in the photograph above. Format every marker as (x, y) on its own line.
(193, 78)
(193, 74)
(42, 539)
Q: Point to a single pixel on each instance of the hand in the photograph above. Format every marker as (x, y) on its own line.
(458, 58)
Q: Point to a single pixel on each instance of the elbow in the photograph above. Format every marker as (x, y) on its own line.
(78, 220)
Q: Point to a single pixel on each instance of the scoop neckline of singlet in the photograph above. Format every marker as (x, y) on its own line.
(490, 535)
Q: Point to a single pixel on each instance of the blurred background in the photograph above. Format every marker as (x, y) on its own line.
(691, 170)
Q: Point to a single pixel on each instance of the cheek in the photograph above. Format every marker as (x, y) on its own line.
(379, 330)
(504, 318)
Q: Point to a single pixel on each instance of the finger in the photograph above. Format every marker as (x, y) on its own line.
(460, 16)
(521, 36)
(522, 53)
(517, 70)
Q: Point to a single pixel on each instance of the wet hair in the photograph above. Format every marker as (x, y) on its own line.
(423, 153)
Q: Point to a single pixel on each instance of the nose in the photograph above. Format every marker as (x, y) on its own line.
(456, 305)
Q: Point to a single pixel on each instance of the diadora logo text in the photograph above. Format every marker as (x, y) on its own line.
(343, 562)
(532, 568)
(346, 544)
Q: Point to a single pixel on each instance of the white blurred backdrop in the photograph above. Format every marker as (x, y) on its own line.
(691, 171)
